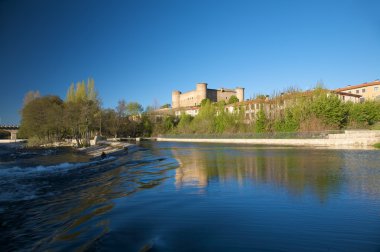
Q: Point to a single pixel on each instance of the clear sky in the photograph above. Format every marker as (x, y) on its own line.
(142, 50)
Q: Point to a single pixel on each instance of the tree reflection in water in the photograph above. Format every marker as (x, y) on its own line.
(296, 170)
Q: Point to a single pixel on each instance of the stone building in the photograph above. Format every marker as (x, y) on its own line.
(195, 97)
(368, 90)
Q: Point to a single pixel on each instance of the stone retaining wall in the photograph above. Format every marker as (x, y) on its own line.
(348, 139)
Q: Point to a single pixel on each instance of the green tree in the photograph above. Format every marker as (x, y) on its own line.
(91, 92)
(167, 105)
(70, 96)
(42, 118)
(184, 124)
(261, 122)
(134, 108)
(204, 122)
(81, 112)
(204, 101)
(330, 109)
(364, 114)
(30, 96)
(233, 99)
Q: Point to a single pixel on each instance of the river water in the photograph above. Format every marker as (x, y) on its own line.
(191, 197)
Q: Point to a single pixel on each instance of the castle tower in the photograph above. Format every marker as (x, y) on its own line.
(201, 92)
(240, 93)
(175, 99)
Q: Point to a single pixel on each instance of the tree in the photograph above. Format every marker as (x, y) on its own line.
(184, 123)
(42, 118)
(134, 108)
(363, 114)
(82, 108)
(121, 108)
(30, 96)
(261, 121)
(110, 122)
(204, 122)
(330, 109)
(167, 105)
(81, 94)
(70, 96)
(204, 101)
(91, 92)
(233, 99)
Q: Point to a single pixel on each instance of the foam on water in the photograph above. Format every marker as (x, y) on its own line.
(19, 183)
(37, 170)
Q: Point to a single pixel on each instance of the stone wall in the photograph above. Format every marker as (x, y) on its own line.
(350, 139)
(195, 97)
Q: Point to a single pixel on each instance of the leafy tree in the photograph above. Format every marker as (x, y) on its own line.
(204, 101)
(167, 105)
(330, 109)
(80, 93)
(42, 118)
(363, 114)
(134, 108)
(261, 122)
(82, 108)
(70, 96)
(204, 122)
(184, 124)
(110, 123)
(30, 96)
(92, 95)
(233, 99)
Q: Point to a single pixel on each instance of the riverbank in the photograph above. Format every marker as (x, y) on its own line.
(357, 139)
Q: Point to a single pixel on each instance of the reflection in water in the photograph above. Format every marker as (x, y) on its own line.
(296, 170)
(244, 201)
(362, 170)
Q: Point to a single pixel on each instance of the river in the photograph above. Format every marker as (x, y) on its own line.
(191, 197)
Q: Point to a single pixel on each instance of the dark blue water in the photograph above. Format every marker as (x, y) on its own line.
(192, 197)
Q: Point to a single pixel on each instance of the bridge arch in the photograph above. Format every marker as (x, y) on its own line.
(13, 129)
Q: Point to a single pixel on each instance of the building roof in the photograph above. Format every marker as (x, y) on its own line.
(347, 94)
(366, 84)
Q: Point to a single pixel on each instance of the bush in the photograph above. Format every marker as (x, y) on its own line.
(36, 142)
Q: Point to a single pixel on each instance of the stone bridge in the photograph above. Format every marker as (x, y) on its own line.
(13, 129)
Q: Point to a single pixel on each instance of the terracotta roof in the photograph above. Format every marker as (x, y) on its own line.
(367, 84)
(347, 94)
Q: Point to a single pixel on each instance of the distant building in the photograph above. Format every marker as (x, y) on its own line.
(273, 107)
(348, 97)
(193, 111)
(195, 97)
(369, 90)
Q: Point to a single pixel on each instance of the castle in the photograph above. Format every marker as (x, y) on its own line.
(195, 97)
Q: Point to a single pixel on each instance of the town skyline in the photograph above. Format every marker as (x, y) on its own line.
(142, 51)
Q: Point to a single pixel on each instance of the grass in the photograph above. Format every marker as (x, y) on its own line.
(377, 145)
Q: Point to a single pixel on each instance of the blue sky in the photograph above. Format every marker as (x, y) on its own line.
(142, 50)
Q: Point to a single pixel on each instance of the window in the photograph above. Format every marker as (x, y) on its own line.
(349, 92)
(376, 89)
(357, 91)
(363, 90)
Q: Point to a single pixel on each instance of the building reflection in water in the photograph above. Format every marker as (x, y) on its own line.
(361, 169)
(296, 170)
